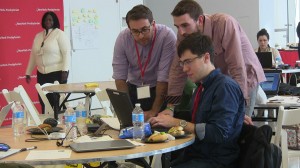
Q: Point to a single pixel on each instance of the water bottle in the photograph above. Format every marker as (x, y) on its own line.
(70, 122)
(81, 115)
(277, 62)
(138, 122)
(18, 119)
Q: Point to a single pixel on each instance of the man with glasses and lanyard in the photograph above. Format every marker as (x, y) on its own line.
(142, 58)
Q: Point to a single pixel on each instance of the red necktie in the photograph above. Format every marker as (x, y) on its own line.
(196, 102)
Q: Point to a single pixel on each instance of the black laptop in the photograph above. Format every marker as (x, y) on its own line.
(122, 106)
(271, 85)
(265, 59)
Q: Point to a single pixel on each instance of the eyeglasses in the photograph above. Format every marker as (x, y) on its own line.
(144, 30)
(187, 62)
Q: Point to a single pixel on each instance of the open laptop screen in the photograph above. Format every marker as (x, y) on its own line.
(122, 106)
(271, 85)
(265, 59)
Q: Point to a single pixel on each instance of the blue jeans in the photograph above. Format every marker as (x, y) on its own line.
(250, 107)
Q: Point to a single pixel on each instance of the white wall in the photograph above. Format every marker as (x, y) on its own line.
(253, 15)
(245, 11)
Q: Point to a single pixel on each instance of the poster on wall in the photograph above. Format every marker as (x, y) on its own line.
(21, 21)
(85, 25)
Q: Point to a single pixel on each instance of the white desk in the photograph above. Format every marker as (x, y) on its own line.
(70, 88)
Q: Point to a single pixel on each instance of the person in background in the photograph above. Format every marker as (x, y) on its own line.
(233, 54)
(218, 108)
(298, 34)
(51, 53)
(142, 57)
(263, 42)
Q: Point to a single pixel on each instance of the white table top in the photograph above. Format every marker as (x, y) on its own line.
(79, 87)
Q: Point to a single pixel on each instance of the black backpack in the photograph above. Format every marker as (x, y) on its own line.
(287, 89)
(256, 149)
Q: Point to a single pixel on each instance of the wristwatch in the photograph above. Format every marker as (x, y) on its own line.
(183, 123)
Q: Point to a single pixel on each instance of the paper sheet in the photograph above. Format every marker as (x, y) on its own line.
(112, 122)
(284, 99)
(48, 154)
(4, 154)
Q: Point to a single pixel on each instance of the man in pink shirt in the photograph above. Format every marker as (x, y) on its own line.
(234, 54)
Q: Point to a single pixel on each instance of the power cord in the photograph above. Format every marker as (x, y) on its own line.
(60, 143)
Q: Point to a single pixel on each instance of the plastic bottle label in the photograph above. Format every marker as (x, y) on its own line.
(71, 118)
(81, 114)
(19, 114)
(138, 117)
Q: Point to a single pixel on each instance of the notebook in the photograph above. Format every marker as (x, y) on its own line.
(265, 59)
(4, 112)
(271, 85)
(122, 106)
(101, 145)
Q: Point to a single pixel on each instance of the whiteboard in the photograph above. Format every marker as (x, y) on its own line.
(85, 23)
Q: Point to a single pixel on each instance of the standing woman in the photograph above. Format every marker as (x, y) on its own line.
(263, 42)
(51, 54)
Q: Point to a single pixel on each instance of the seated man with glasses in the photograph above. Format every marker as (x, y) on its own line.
(217, 110)
(142, 58)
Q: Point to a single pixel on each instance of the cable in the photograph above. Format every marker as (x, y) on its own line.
(63, 139)
(36, 139)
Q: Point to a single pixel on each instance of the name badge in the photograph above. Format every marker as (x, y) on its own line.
(143, 92)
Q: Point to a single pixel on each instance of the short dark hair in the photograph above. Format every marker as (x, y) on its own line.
(139, 12)
(188, 6)
(262, 32)
(54, 17)
(198, 44)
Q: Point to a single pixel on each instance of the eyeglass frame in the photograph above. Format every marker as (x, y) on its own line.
(144, 30)
(187, 62)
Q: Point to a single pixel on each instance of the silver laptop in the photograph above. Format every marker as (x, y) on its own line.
(4, 112)
(101, 145)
